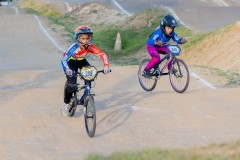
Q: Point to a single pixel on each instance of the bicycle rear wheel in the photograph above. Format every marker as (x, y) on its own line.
(179, 76)
(90, 116)
(73, 102)
(148, 84)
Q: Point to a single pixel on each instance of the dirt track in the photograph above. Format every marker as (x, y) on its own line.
(128, 118)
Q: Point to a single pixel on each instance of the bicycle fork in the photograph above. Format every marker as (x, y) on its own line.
(86, 92)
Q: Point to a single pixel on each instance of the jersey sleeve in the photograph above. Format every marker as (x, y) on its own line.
(153, 38)
(176, 38)
(68, 55)
(93, 49)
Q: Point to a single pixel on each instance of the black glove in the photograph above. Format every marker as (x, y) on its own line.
(159, 43)
(183, 41)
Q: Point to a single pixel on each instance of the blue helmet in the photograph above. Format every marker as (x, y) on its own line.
(169, 21)
(83, 30)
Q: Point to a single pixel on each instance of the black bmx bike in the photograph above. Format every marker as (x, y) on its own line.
(178, 71)
(88, 74)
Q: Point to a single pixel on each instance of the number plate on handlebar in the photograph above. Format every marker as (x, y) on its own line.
(174, 49)
(88, 73)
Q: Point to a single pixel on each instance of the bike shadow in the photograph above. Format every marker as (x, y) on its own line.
(113, 120)
(78, 112)
(120, 103)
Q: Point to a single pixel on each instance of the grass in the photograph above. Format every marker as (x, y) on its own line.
(232, 77)
(226, 151)
(39, 7)
(132, 40)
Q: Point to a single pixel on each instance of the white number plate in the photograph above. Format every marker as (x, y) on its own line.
(174, 49)
(88, 73)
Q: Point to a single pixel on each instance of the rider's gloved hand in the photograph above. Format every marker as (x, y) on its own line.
(69, 72)
(159, 43)
(106, 70)
(183, 41)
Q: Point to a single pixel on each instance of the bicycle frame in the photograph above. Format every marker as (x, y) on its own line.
(170, 58)
(87, 88)
(157, 66)
(86, 92)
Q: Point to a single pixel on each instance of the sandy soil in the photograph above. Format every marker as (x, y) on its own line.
(97, 14)
(219, 50)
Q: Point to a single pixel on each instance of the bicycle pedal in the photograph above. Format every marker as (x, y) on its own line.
(156, 74)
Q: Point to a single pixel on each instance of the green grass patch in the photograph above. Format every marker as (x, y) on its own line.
(39, 7)
(68, 22)
(232, 77)
(132, 40)
(225, 151)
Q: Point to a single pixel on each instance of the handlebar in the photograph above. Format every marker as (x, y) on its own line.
(102, 71)
(78, 73)
(166, 43)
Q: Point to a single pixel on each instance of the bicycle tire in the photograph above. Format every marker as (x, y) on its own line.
(148, 84)
(179, 76)
(90, 115)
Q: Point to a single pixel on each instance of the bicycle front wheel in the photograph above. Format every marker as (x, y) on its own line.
(148, 84)
(179, 76)
(90, 115)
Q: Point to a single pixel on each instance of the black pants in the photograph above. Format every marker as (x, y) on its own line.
(71, 80)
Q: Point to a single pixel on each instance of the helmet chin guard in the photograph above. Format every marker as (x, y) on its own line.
(85, 46)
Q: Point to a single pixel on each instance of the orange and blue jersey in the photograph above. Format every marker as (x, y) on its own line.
(75, 53)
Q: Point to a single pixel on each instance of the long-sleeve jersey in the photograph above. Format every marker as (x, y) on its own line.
(75, 53)
(158, 35)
